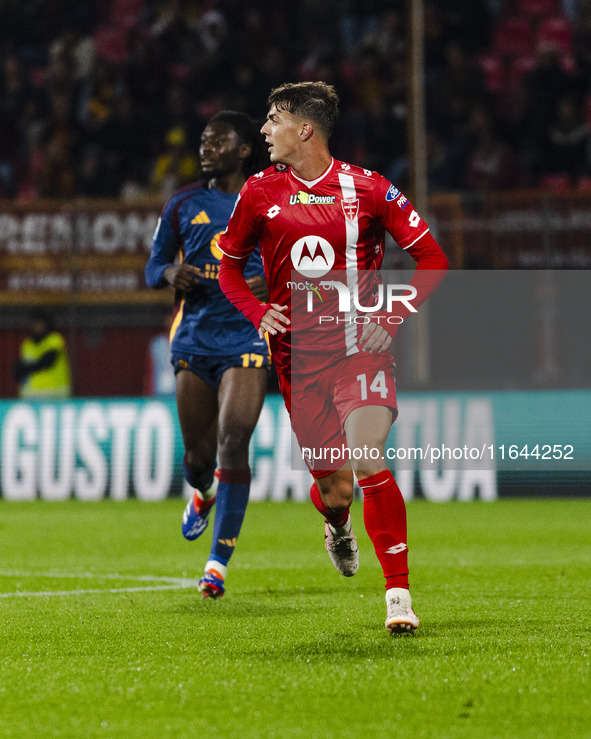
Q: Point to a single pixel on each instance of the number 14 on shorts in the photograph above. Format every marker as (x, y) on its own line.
(378, 385)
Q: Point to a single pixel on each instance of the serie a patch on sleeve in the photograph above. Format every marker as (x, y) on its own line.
(393, 193)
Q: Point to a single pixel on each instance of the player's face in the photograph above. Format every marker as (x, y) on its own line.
(220, 150)
(282, 135)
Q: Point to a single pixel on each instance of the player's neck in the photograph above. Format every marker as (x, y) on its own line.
(229, 183)
(312, 164)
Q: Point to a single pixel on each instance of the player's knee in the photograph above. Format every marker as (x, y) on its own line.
(337, 495)
(199, 461)
(233, 440)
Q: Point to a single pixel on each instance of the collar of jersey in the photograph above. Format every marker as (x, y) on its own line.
(311, 183)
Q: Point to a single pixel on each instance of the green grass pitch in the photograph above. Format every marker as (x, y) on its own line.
(109, 638)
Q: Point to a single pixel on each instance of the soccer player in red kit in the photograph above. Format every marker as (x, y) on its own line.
(311, 215)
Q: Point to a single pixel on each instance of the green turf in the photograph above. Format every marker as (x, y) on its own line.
(294, 649)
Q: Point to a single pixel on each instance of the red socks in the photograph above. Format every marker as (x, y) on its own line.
(384, 515)
(336, 520)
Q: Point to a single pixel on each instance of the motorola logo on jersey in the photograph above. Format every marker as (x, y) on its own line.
(312, 256)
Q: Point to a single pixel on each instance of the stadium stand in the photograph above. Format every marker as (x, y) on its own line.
(113, 54)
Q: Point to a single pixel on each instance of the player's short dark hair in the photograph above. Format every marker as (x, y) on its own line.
(316, 101)
(248, 133)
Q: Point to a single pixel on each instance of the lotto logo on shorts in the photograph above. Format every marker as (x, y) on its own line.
(183, 364)
(392, 193)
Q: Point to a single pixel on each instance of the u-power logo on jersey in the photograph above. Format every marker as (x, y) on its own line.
(307, 198)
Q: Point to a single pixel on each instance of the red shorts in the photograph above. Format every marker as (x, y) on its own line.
(319, 403)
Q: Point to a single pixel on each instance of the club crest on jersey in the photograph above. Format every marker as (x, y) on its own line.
(307, 198)
(392, 193)
(312, 256)
(213, 245)
(350, 207)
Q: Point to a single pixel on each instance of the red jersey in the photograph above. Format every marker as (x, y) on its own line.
(307, 231)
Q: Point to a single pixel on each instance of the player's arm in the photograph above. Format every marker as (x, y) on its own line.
(265, 316)
(431, 267)
(161, 269)
(259, 288)
(430, 270)
(236, 244)
(413, 235)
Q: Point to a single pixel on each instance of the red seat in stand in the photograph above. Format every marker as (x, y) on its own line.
(513, 37)
(556, 31)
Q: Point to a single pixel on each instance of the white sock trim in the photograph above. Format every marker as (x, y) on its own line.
(213, 564)
(342, 529)
(210, 492)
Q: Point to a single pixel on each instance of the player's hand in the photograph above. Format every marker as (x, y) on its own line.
(183, 276)
(374, 338)
(274, 321)
(259, 288)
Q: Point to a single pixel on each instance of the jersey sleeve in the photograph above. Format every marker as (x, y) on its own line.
(234, 286)
(240, 237)
(396, 214)
(401, 220)
(236, 244)
(165, 246)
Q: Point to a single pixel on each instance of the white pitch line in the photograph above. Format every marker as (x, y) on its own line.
(180, 585)
(88, 575)
(167, 583)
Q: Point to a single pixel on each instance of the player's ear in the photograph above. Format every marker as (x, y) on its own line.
(306, 131)
(244, 151)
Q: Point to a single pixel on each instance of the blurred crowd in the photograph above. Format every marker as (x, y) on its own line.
(107, 98)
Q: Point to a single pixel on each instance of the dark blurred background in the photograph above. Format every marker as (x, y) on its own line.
(96, 95)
